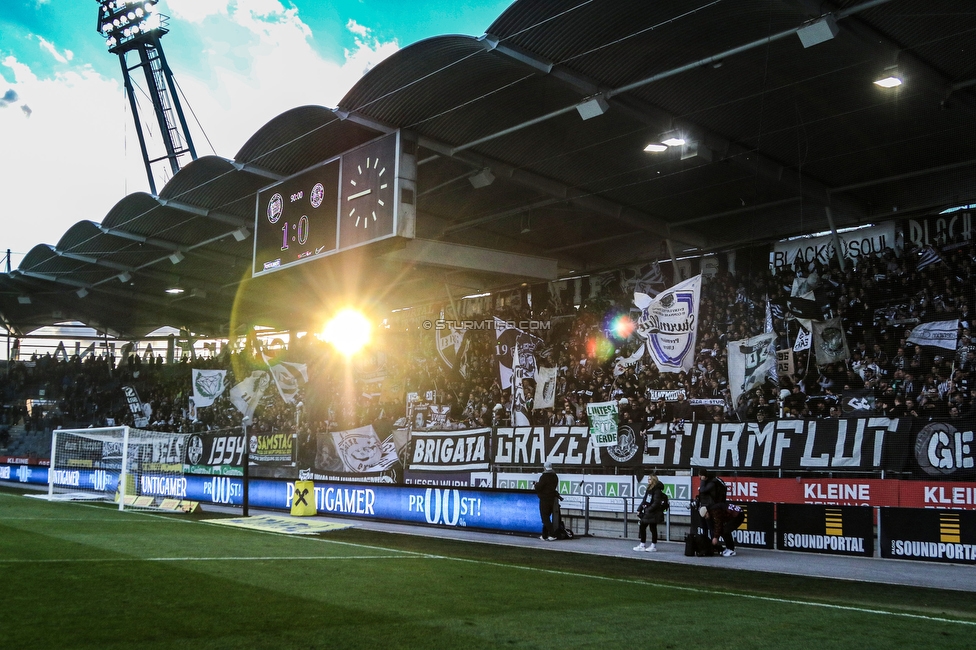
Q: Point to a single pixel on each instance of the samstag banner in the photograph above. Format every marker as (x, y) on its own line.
(851, 444)
(669, 323)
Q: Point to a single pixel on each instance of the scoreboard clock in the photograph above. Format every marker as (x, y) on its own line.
(367, 195)
(341, 203)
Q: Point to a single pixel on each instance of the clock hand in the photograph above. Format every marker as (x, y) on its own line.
(358, 194)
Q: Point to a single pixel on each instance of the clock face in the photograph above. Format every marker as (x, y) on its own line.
(368, 192)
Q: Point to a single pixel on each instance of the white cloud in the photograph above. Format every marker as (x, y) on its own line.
(356, 28)
(276, 68)
(68, 161)
(49, 47)
(195, 11)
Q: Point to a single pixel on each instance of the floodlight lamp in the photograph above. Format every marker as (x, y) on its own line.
(656, 147)
(241, 234)
(890, 78)
(673, 139)
(174, 291)
(483, 178)
(593, 107)
(24, 300)
(82, 292)
(124, 277)
(177, 257)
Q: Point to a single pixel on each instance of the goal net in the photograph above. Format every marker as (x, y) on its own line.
(133, 467)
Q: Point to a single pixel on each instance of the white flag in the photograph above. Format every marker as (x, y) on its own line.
(621, 364)
(247, 394)
(941, 334)
(669, 322)
(750, 362)
(361, 450)
(288, 377)
(520, 415)
(207, 386)
(802, 340)
(545, 388)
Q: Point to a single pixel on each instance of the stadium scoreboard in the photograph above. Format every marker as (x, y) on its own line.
(354, 199)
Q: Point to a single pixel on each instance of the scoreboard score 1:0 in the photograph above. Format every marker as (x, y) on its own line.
(296, 219)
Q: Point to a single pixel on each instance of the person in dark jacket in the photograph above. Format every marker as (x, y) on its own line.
(723, 518)
(651, 513)
(711, 491)
(547, 489)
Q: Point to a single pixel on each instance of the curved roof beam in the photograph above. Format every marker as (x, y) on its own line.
(216, 215)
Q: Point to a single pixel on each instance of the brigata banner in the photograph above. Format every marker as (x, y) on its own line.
(832, 530)
(449, 451)
(851, 444)
(928, 535)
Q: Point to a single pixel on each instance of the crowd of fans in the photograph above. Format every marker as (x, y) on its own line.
(879, 300)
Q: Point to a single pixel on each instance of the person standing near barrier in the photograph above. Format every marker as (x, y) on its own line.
(711, 491)
(651, 513)
(723, 518)
(547, 490)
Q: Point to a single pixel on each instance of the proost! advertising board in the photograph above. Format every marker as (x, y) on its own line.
(928, 535)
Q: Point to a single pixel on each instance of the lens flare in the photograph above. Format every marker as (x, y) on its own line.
(348, 332)
(622, 326)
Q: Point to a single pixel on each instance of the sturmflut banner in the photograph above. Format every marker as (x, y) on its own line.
(850, 444)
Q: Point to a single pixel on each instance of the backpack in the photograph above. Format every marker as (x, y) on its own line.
(665, 501)
(721, 490)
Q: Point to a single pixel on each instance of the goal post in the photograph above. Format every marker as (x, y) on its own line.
(133, 467)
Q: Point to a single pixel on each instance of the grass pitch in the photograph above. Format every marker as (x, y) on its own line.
(88, 576)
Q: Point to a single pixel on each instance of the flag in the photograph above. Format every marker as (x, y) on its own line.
(621, 364)
(750, 362)
(507, 339)
(802, 286)
(603, 418)
(774, 370)
(801, 307)
(669, 323)
(520, 411)
(288, 377)
(452, 347)
(545, 388)
(927, 257)
(207, 386)
(803, 340)
(247, 394)
(940, 334)
(361, 450)
(830, 342)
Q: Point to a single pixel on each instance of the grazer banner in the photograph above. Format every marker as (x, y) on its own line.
(944, 450)
(865, 241)
(851, 444)
(757, 530)
(449, 451)
(928, 535)
(572, 446)
(832, 530)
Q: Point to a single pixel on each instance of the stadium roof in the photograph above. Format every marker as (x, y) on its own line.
(786, 134)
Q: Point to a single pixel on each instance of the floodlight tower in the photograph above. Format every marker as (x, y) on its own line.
(136, 26)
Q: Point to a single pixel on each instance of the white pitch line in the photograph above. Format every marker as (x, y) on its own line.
(732, 594)
(272, 558)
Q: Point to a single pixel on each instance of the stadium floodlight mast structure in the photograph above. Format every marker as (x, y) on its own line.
(136, 26)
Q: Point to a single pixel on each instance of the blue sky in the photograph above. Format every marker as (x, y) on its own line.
(68, 148)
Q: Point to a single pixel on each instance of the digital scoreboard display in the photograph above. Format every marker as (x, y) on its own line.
(297, 219)
(342, 203)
